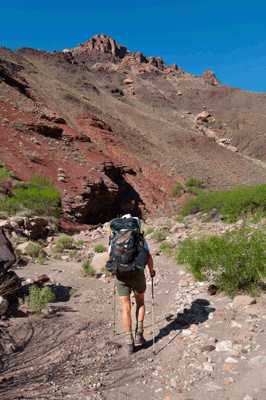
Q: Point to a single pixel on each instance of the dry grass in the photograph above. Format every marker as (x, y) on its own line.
(9, 285)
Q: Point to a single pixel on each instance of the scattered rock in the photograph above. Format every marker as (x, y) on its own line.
(226, 345)
(208, 348)
(258, 360)
(42, 278)
(229, 380)
(243, 301)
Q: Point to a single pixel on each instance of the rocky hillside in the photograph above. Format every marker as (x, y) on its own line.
(117, 130)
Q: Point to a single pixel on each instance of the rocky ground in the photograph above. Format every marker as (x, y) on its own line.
(206, 346)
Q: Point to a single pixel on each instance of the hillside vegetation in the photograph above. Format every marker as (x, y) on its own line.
(229, 205)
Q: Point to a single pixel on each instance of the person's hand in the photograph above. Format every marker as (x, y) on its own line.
(153, 273)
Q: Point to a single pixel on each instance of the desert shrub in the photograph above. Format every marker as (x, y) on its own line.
(37, 195)
(41, 259)
(159, 236)
(207, 219)
(231, 204)
(87, 268)
(148, 231)
(57, 256)
(21, 259)
(79, 242)
(100, 248)
(58, 248)
(38, 297)
(105, 271)
(194, 185)
(176, 192)
(10, 285)
(34, 250)
(73, 292)
(235, 261)
(65, 241)
(73, 253)
(54, 227)
(166, 248)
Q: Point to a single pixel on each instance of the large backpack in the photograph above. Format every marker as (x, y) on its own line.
(128, 253)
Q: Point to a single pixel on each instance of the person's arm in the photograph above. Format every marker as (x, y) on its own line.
(150, 265)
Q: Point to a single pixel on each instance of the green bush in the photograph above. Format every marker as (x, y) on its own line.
(65, 241)
(38, 297)
(235, 262)
(37, 195)
(73, 253)
(87, 268)
(159, 236)
(166, 248)
(54, 227)
(34, 250)
(193, 182)
(58, 248)
(57, 256)
(231, 204)
(148, 231)
(79, 242)
(73, 292)
(100, 248)
(41, 259)
(176, 192)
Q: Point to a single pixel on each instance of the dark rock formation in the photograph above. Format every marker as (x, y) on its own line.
(7, 256)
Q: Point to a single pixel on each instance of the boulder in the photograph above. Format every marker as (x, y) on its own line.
(39, 221)
(232, 148)
(99, 261)
(202, 117)
(18, 220)
(5, 224)
(3, 305)
(21, 247)
(7, 256)
(127, 81)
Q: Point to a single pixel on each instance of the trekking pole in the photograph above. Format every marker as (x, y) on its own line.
(152, 295)
(114, 307)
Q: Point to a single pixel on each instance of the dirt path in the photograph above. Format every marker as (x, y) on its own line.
(205, 346)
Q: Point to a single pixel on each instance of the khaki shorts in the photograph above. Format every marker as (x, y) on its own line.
(136, 283)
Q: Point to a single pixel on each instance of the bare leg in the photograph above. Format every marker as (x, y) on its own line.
(126, 312)
(140, 313)
(126, 321)
(140, 308)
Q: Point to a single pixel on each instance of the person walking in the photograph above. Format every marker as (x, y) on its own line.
(136, 283)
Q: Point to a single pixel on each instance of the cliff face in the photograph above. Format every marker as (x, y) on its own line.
(117, 130)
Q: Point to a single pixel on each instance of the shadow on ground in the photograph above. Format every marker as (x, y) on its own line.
(196, 314)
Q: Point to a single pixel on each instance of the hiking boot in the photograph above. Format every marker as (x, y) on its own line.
(129, 343)
(130, 348)
(139, 338)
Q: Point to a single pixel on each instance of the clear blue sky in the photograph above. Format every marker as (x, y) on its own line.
(228, 37)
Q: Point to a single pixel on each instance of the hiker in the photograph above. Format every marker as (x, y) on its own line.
(133, 281)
